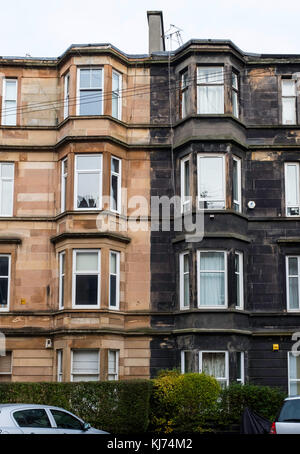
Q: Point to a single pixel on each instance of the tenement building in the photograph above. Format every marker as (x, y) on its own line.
(89, 290)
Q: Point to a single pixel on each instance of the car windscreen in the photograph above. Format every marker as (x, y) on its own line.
(35, 417)
(290, 411)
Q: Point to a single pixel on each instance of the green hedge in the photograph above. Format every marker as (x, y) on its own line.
(114, 406)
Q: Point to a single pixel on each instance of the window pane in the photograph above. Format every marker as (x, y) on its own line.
(5, 364)
(3, 266)
(88, 162)
(86, 290)
(235, 81)
(237, 263)
(96, 78)
(212, 289)
(212, 261)
(211, 179)
(294, 362)
(114, 192)
(115, 81)
(235, 180)
(211, 99)
(113, 290)
(112, 362)
(293, 266)
(235, 104)
(65, 421)
(115, 106)
(186, 178)
(186, 283)
(3, 290)
(10, 113)
(210, 75)
(293, 293)
(11, 90)
(85, 362)
(90, 102)
(32, 418)
(288, 87)
(84, 78)
(113, 263)
(7, 170)
(88, 190)
(289, 110)
(7, 197)
(87, 261)
(115, 165)
(188, 362)
(214, 364)
(292, 185)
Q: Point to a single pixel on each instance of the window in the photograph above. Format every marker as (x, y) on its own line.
(4, 282)
(185, 185)
(292, 189)
(236, 184)
(64, 175)
(35, 417)
(6, 188)
(59, 375)
(240, 365)
(215, 363)
(288, 101)
(239, 278)
(211, 181)
(210, 90)
(86, 278)
(293, 282)
(90, 91)
(116, 101)
(235, 94)
(114, 280)
(184, 93)
(115, 185)
(294, 374)
(62, 260)
(88, 182)
(64, 420)
(66, 95)
(9, 102)
(184, 271)
(6, 367)
(187, 362)
(85, 365)
(113, 364)
(212, 279)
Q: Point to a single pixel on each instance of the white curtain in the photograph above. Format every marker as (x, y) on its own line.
(214, 364)
(210, 99)
(212, 279)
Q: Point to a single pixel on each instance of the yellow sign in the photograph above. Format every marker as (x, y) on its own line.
(275, 347)
(23, 301)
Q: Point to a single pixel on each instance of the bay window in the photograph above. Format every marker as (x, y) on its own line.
(9, 102)
(239, 284)
(88, 182)
(90, 91)
(235, 94)
(236, 184)
(86, 278)
(293, 282)
(292, 199)
(66, 95)
(211, 181)
(115, 184)
(212, 279)
(210, 90)
(184, 280)
(114, 280)
(116, 101)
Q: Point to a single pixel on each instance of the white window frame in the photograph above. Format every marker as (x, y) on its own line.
(119, 177)
(235, 93)
(66, 95)
(238, 201)
(9, 373)
(219, 379)
(184, 85)
(240, 277)
(285, 122)
(64, 175)
(185, 198)
(100, 89)
(75, 273)
(286, 165)
(119, 94)
(100, 173)
(213, 83)
(182, 360)
(6, 114)
(7, 306)
(59, 372)
(182, 274)
(242, 371)
(62, 278)
(294, 380)
(203, 199)
(287, 282)
(10, 213)
(116, 373)
(118, 256)
(82, 350)
(204, 307)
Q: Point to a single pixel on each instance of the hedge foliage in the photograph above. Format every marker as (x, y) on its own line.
(182, 402)
(114, 406)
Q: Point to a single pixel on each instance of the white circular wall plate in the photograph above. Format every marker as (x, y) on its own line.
(251, 204)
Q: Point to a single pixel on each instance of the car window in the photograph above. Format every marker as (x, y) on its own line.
(290, 411)
(66, 421)
(32, 418)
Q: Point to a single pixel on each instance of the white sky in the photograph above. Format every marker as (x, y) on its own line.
(47, 27)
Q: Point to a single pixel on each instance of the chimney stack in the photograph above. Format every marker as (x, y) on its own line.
(156, 31)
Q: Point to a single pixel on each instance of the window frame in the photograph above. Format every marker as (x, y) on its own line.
(226, 378)
(119, 177)
(66, 95)
(182, 274)
(7, 306)
(182, 360)
(116, 373)
(203, 199)
(101, 90)
(87, 273)
(59, 365)
(62, 279)
(289, 97)
(207, 84)
(85, 350)
(64, 176)
(287, 282)
(235, 94)
(242, 369)
(185, 198)
(4, 115)
(240, 276)
(225, 272)
(286, 165)
(118, 260)
(118, 94)
(86, 171)
(184, 86)
(12, 179)
(238, 201)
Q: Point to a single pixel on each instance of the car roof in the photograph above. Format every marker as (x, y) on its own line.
(292, 398)
(21, 405)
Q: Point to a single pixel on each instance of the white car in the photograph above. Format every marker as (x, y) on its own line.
(41, 419)
(288, 420)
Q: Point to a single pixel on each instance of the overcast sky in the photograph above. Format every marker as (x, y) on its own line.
(46, 28)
